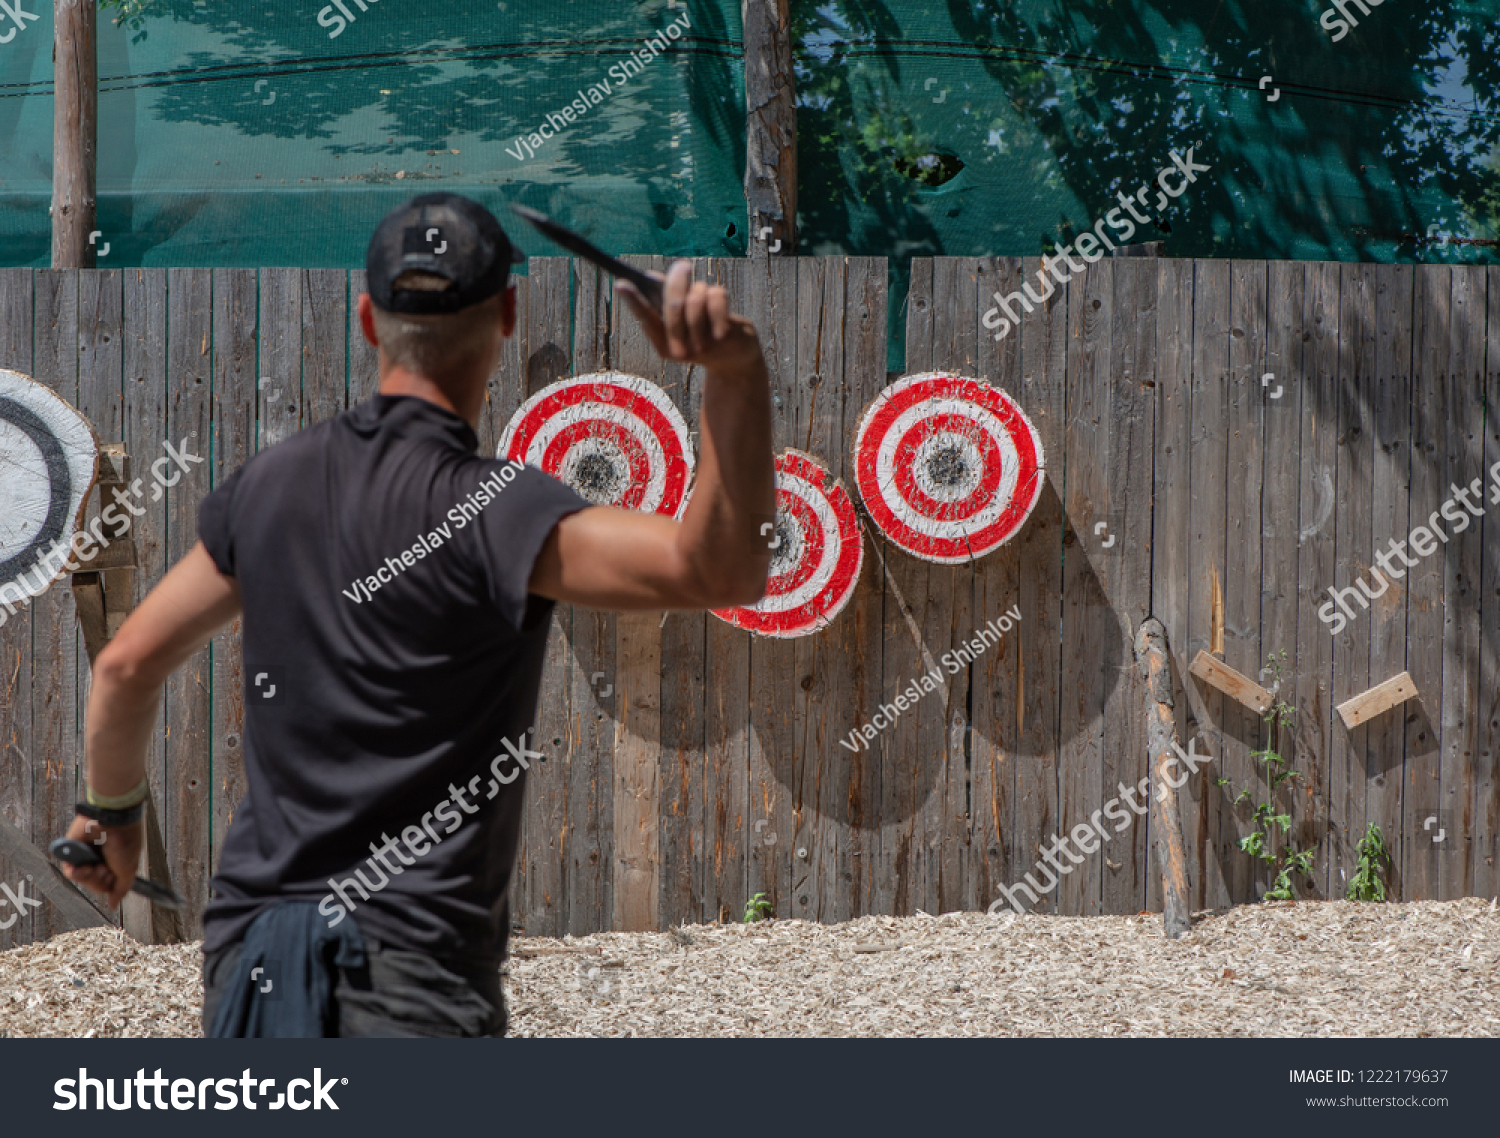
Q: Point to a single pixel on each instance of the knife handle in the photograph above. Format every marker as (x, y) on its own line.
(75, 853)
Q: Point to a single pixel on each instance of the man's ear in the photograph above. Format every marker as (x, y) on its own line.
(367, 318)
(508, 310)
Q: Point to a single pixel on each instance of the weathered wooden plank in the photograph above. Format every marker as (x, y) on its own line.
(144, 361)
(1244, 437)
(683, 642)
(1431, 420)
(100, 301)
(813, 689)
(1462, 459)
(767, 294)
(187, 817)
(1486, 826)
(325, 324)
(1358, 350)
(364, 360)
(636, 898)
(506, 390)
(1390, 399)
(1126, 578)
(278, 387)
(15, 630)
(540, 893)
(1313, 666)
(1239, 688)
(1092, 662)
(541, 889)
(1207, 550)
(780, 799)
(1173, 479)
(855, 785)
(995, 677)
(918, 632)
(1038, 691)
(1280, 593)
(244, 397)
(637, 793)
(56, 694)
(955, 337)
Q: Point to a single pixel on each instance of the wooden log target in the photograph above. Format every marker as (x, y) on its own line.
(614, 438)
(817, 553)
(49, 458)
(949, 468)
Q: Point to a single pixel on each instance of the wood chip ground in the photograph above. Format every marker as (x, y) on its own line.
(1299, 969)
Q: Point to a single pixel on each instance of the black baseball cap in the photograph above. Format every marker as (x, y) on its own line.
(448, 236)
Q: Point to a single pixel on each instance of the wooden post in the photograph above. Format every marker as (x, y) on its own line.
(1166, 819)
(75, 132)
(104, 595)
(770, 127)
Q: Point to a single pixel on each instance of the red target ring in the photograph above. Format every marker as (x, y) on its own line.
(616, 439)
(949, 468)
(817, 558)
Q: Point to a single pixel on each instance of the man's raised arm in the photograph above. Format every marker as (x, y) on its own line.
(716, 555)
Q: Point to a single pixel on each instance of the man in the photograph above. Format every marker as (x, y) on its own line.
(397, 592)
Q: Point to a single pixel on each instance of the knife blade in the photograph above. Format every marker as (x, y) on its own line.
(648, 286)
(79, 854)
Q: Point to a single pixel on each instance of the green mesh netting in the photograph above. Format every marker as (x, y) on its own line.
(246, 135)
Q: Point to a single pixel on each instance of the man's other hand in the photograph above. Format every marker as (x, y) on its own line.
(695, 325)
(121, 847)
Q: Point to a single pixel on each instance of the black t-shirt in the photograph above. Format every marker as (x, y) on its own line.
(393, 657)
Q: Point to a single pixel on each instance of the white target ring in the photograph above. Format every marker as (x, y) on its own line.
(949, 468)
(49, 458)
(616, 439)
(817, 553)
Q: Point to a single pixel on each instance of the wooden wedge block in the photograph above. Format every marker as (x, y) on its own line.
(1378, 700)
(71, 903)
(1241, 689)
(114, 465)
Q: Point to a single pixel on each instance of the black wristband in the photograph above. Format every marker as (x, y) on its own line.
(127, 817)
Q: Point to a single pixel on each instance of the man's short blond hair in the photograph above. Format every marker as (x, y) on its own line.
(436, 346)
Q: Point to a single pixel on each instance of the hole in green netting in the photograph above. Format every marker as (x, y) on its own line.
(731, 231)
(933, 169)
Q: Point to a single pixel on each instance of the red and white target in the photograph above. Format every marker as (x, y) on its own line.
(817, 553)
(949, 468)
(616, 439)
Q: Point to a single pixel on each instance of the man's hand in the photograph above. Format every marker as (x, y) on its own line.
(695, 325)
(121, 847)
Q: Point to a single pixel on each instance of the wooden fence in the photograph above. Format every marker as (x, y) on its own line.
(712, 770)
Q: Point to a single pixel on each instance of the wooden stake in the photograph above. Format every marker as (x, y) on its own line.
(1166, 818)
(75, 132)
(770, 126)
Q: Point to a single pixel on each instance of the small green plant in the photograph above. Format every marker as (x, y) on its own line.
(1270, 819)
(758, 909)
(1366, 884)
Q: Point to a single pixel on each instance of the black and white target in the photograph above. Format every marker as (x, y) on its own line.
(949, 468)
(816, 553)
(49, 458)
(616, 439)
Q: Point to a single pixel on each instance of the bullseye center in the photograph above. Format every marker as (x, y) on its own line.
(788, 547)
(948, 467)
(597, 478)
